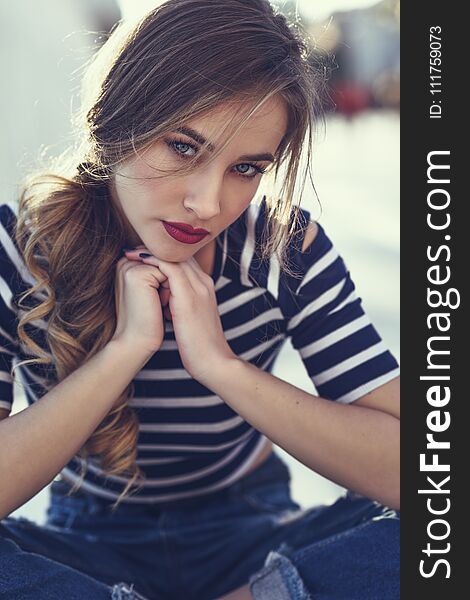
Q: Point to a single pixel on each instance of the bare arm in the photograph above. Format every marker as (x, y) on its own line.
(357, 446)
(39, 441)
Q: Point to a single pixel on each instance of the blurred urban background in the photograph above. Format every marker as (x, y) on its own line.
(44, 45)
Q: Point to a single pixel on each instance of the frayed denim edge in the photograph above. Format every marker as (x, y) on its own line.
(121, 591)
(278, 580)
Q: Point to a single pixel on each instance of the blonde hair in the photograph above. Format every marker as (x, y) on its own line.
(180, 60)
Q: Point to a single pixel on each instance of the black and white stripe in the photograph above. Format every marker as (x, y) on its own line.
(190, 441)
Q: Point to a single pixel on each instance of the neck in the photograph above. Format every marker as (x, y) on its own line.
(205, 257)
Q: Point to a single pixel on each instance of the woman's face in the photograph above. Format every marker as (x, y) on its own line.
(212, 196)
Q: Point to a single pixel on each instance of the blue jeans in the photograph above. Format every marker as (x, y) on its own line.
(200, 549)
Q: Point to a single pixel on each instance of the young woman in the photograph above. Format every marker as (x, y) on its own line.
(145, 295)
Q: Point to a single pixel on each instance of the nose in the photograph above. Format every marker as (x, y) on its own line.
(204, 195)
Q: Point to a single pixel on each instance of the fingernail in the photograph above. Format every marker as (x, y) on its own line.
(144, 255)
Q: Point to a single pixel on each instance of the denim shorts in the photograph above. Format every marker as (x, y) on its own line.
(251, 533)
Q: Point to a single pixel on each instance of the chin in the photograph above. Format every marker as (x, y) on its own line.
(172, 255)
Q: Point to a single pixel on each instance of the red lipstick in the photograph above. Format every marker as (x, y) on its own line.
(184, 233)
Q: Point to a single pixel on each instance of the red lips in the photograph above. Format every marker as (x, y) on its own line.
(184, 236)
(187, 228)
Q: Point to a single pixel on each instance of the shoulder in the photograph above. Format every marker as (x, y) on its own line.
(8, 218)
(8, 222)
(9, 274)
(307, 243)
(310, 234)
(12, 269)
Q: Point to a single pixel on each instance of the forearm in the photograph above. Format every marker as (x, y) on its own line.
(39, 441)
(354, 446)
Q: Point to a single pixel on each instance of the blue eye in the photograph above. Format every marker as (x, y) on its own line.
(256, 170)
(181, 148)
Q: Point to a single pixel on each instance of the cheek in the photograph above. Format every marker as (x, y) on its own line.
(157, 194)
(232, 210)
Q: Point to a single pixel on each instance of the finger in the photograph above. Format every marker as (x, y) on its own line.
(122, 266)
(136, 264)
(205, 277)
(164, 295)
(193, 275)
(134, 258)
(177, 278)
(134, 252)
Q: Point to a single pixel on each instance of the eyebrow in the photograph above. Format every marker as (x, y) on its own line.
(200, 139)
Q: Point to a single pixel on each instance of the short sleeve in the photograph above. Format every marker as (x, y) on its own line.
(342, 351)
(9, 346)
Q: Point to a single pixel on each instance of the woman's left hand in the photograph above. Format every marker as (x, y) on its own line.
(191, 297)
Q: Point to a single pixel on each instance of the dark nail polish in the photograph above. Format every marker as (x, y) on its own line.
(144, 255)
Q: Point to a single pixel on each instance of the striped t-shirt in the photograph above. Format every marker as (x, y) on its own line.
(190, 441)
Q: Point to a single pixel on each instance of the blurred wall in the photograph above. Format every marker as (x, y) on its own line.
(43, 44)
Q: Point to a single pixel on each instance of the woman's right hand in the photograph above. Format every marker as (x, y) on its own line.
(139, 319)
